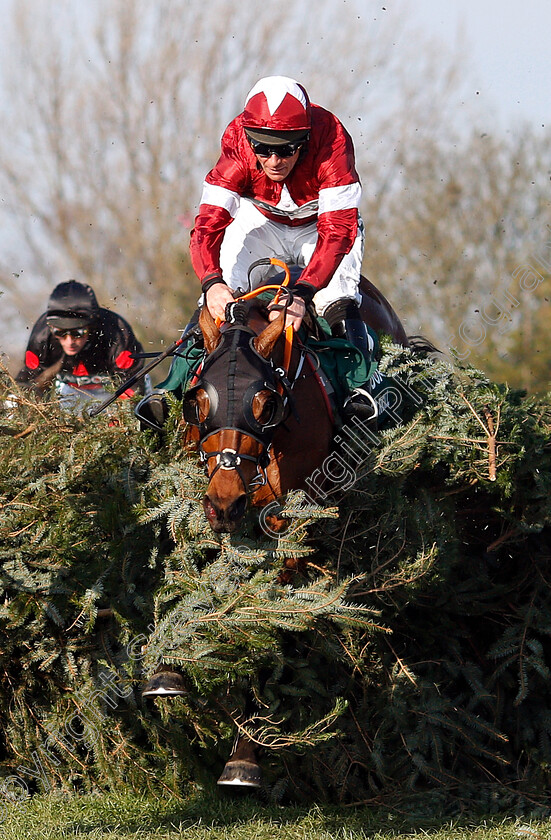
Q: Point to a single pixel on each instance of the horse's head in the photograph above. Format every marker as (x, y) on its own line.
(237, 404)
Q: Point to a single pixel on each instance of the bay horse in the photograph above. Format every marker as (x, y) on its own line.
(262, 423)
(263, 426)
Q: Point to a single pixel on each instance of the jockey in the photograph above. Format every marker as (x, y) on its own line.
(286, 186)
(76, 342)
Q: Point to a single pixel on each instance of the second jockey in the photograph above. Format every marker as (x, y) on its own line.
(77, 344)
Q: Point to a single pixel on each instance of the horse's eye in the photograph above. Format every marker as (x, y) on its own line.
(196, 407)
(264, 407)
(203, 405)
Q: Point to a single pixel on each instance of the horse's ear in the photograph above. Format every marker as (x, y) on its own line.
(265, 342)
(210, 331)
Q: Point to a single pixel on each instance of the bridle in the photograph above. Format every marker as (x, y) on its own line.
(230, 459)
(228, 392)
(230, 404)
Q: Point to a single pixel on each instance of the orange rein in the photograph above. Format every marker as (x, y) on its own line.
(288, 330)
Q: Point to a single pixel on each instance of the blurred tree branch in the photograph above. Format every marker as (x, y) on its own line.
(115, 115)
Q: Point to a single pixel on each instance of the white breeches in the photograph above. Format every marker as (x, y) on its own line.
(251, 236)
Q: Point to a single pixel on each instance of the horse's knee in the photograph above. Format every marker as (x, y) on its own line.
(275, 524)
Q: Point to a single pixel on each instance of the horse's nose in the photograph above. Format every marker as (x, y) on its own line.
(225, 518)
(236, 511)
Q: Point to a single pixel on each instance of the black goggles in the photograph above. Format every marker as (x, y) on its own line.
(78, 332)
(285, 150)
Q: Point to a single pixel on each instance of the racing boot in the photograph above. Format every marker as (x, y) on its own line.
(152, 411)
(345, 321)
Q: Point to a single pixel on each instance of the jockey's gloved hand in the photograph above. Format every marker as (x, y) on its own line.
(302, 295)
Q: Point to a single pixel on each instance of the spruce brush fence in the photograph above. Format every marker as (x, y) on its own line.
(410, 653)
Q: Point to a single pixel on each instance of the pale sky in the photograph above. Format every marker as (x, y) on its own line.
(506, 43)
(505, 46)
(508, 47)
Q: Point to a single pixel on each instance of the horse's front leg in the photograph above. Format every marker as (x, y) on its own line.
(242, 768)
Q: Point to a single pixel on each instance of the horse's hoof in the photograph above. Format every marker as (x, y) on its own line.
(241, 774)
(165, 684)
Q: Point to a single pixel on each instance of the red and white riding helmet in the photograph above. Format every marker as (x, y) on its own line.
(277, 108)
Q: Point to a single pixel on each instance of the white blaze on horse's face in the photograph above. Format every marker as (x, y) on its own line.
(236, 454)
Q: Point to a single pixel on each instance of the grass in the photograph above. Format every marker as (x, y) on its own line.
(123, 816)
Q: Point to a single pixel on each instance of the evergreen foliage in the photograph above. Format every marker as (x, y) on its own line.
(410, 651)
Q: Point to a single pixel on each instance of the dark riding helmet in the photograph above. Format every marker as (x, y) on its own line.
(72, 305)
(277, 111)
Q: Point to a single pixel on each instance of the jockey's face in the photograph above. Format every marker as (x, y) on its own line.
(278, 168)
(72, 346)
(71, 342)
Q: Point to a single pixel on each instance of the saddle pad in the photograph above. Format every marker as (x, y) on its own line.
(343, 364)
